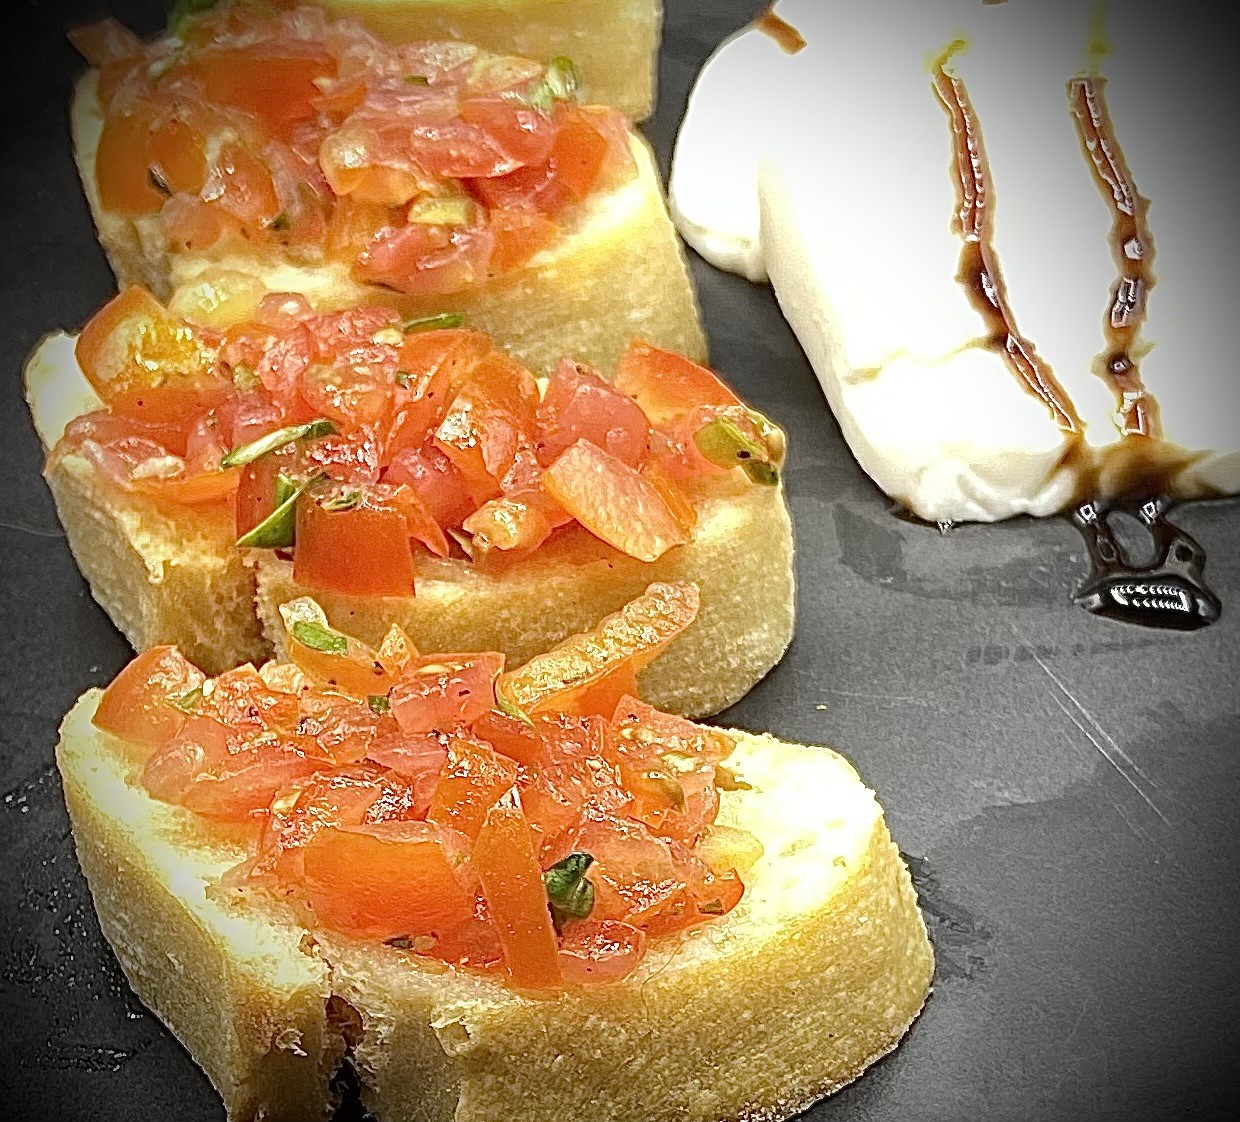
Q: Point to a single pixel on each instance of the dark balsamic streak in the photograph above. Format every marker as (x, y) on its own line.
(980, 273)
(1132, 247)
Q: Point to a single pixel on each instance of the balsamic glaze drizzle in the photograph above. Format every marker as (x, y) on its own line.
(980, 273)
(1132, 247)
(1169, 592)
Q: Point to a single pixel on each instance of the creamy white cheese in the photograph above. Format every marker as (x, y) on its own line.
(828, 170)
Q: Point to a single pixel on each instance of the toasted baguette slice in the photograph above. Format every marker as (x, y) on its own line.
(619, 272)
(614, 43)
(817, 972)
(169, 576)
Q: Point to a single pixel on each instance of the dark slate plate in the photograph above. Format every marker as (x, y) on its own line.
(1065, 787)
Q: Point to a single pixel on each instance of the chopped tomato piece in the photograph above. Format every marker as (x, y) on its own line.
(245, 188)
(513, 886)
(147, 364)
(329, 656)
(274, 80)
(242, 785)
(177, 155)
(437, 481)
(362, 551)
(423, 259)
(668, 385)
(629, 638)
(386, 880)
(579, 405)
(614, 502)
(605, 950)
(140, 704)
(203, 488)
(472, 781)
(122, 168)
(508, 524)
(443, 691)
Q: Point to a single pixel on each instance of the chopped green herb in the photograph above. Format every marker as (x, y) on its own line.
(347, 501)
(319, 638)
(560, 82)
(723, 442)
(186, 702)
(181, 10)
(443, 320)
(403, 377)
(158, 181)
(400, 942)
(379, 703)
(569, 894)
(417, 79)
(279, 528)
(251, 451)
(280, 222)
(711, 908)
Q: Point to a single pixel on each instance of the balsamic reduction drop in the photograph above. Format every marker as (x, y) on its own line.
(1168, 593)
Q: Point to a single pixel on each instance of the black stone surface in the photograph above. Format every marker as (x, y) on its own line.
(1065, 787)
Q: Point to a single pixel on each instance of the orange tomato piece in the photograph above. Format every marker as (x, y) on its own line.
(489, 421)
(445, 691)
(136, 706)
(579, 405)
(667, 385)
(147, 364)
(363, 551)
(615, 502)
(519, 235)
(247, 191)
(241, 786)
(512, 884)
(122, 168)
(509, 524)
(472, 781)
(274, 80)
(423, 259)
(628, 638)
(384, 880)
(177, 155)
(600, 950)
(202, 488)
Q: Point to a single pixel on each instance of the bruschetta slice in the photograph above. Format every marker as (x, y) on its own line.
(309, 156)
(615, 43)
(208, 466)
(496, 893)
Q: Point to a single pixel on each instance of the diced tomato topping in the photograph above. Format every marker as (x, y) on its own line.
(666, 385)
(145, 363)
(600, 950)
(579, 405)
(141, 704)
(443, 691)
(513, 886)
(626, 639)
(384, 881)
(420, 169)
(394, 796)
(363, 550)
(473, 778)
(614, 502)
(274, 81)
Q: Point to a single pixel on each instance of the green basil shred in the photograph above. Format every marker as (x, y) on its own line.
(569, 894)
(254, 449)
(319, 638)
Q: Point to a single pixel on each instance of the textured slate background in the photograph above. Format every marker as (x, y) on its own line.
(1065, 787)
